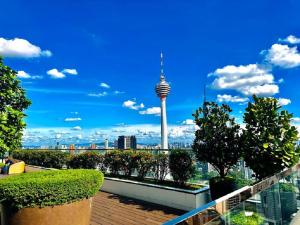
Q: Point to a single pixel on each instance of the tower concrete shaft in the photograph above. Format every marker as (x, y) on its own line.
(164, 126)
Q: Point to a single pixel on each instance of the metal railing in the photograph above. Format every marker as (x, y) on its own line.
(274, 200)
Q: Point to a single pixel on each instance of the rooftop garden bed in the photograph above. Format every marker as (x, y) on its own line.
(49, 188)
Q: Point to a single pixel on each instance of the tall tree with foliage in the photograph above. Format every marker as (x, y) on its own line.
(269, 138)
(217, 140)
(12, 104)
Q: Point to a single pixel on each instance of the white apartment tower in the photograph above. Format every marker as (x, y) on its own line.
(162, 90)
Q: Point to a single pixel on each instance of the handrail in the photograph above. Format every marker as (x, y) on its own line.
(239, 195)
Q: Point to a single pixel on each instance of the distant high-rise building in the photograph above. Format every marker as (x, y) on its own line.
(106, 143)
(93, 146)
(126, 142)
(162, 90)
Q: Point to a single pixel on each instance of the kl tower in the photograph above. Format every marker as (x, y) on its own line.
(162, 90)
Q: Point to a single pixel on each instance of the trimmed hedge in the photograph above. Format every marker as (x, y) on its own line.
(49, 159)
(49, 188)
(181, 166)
(87, 160)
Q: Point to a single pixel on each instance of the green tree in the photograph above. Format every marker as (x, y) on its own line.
(217, 141)
(269, 138)
(12, 104)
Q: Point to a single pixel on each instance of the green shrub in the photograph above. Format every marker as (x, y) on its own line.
(160, 167)
(112, 161)
(128, 162)
(287, 187)
(181, 166)
(144, 164)
(49, 159)
(87, 160)
(49, 188)
(242, 219)
(2, 164)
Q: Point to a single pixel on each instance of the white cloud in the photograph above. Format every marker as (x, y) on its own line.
(54, 73)
(133, 105)
(248, 80)
(72, 119)
(284, 101)
(281, 80)
(151, 111)
(21, 48)
(23, 75)
(291, 39)
(230, 98)
(70, 71)
(296, 119)
(283, 56)
(102, 94)
(188, 122)
(76, 128)
(118, 92)
(104, 85)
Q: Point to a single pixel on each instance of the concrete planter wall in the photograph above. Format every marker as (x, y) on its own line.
(168, 196)
(76, 213)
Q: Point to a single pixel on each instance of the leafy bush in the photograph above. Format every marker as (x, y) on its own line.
(181, 166)
(128, 162)
(217, 141)
(112, 161)
(144, 162)
(160, 167)
(242, 219)
(287, 187)
(2, 164)
(50, 159)
(87, 160)
(269, 138)
(49, 188)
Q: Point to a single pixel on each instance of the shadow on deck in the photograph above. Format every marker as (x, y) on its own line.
(114, 209)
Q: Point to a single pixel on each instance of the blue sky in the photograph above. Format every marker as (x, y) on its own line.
(66, 49)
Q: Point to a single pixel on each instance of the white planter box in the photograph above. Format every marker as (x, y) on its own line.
(168, 196)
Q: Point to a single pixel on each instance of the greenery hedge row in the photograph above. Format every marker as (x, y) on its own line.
(50, 159)
(118, 163)
(49, 188)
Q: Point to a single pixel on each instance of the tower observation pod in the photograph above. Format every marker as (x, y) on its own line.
(162, 90)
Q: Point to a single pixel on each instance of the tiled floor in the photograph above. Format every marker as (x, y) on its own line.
(114, 209)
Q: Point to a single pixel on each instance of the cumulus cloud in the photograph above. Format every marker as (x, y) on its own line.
(230, 98)
(283, 56)
(132, 105)
(291, 39)
(21, 48)
(54, 73)
(246, 79)
(76, 128)
(284, 101)
(296, 119)
(101, 94)
(104, 85)
(118, 92)
(70, 71)
(151, 111)
(71, 119)
(188, 122)
(23, 75)
(281, 80)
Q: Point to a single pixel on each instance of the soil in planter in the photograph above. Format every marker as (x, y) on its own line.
(167, 183)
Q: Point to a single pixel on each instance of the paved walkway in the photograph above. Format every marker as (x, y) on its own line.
(110, 209)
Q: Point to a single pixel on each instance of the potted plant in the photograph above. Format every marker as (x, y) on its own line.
(217, 141)
(60, 197)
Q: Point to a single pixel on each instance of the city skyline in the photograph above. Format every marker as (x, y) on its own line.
(90, 67)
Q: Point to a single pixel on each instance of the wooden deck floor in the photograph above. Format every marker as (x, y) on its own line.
(111, 209)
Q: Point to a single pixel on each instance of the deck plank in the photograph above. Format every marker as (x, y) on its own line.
(114, 209)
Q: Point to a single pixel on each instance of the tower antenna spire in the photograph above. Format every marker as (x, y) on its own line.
(161, 64)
